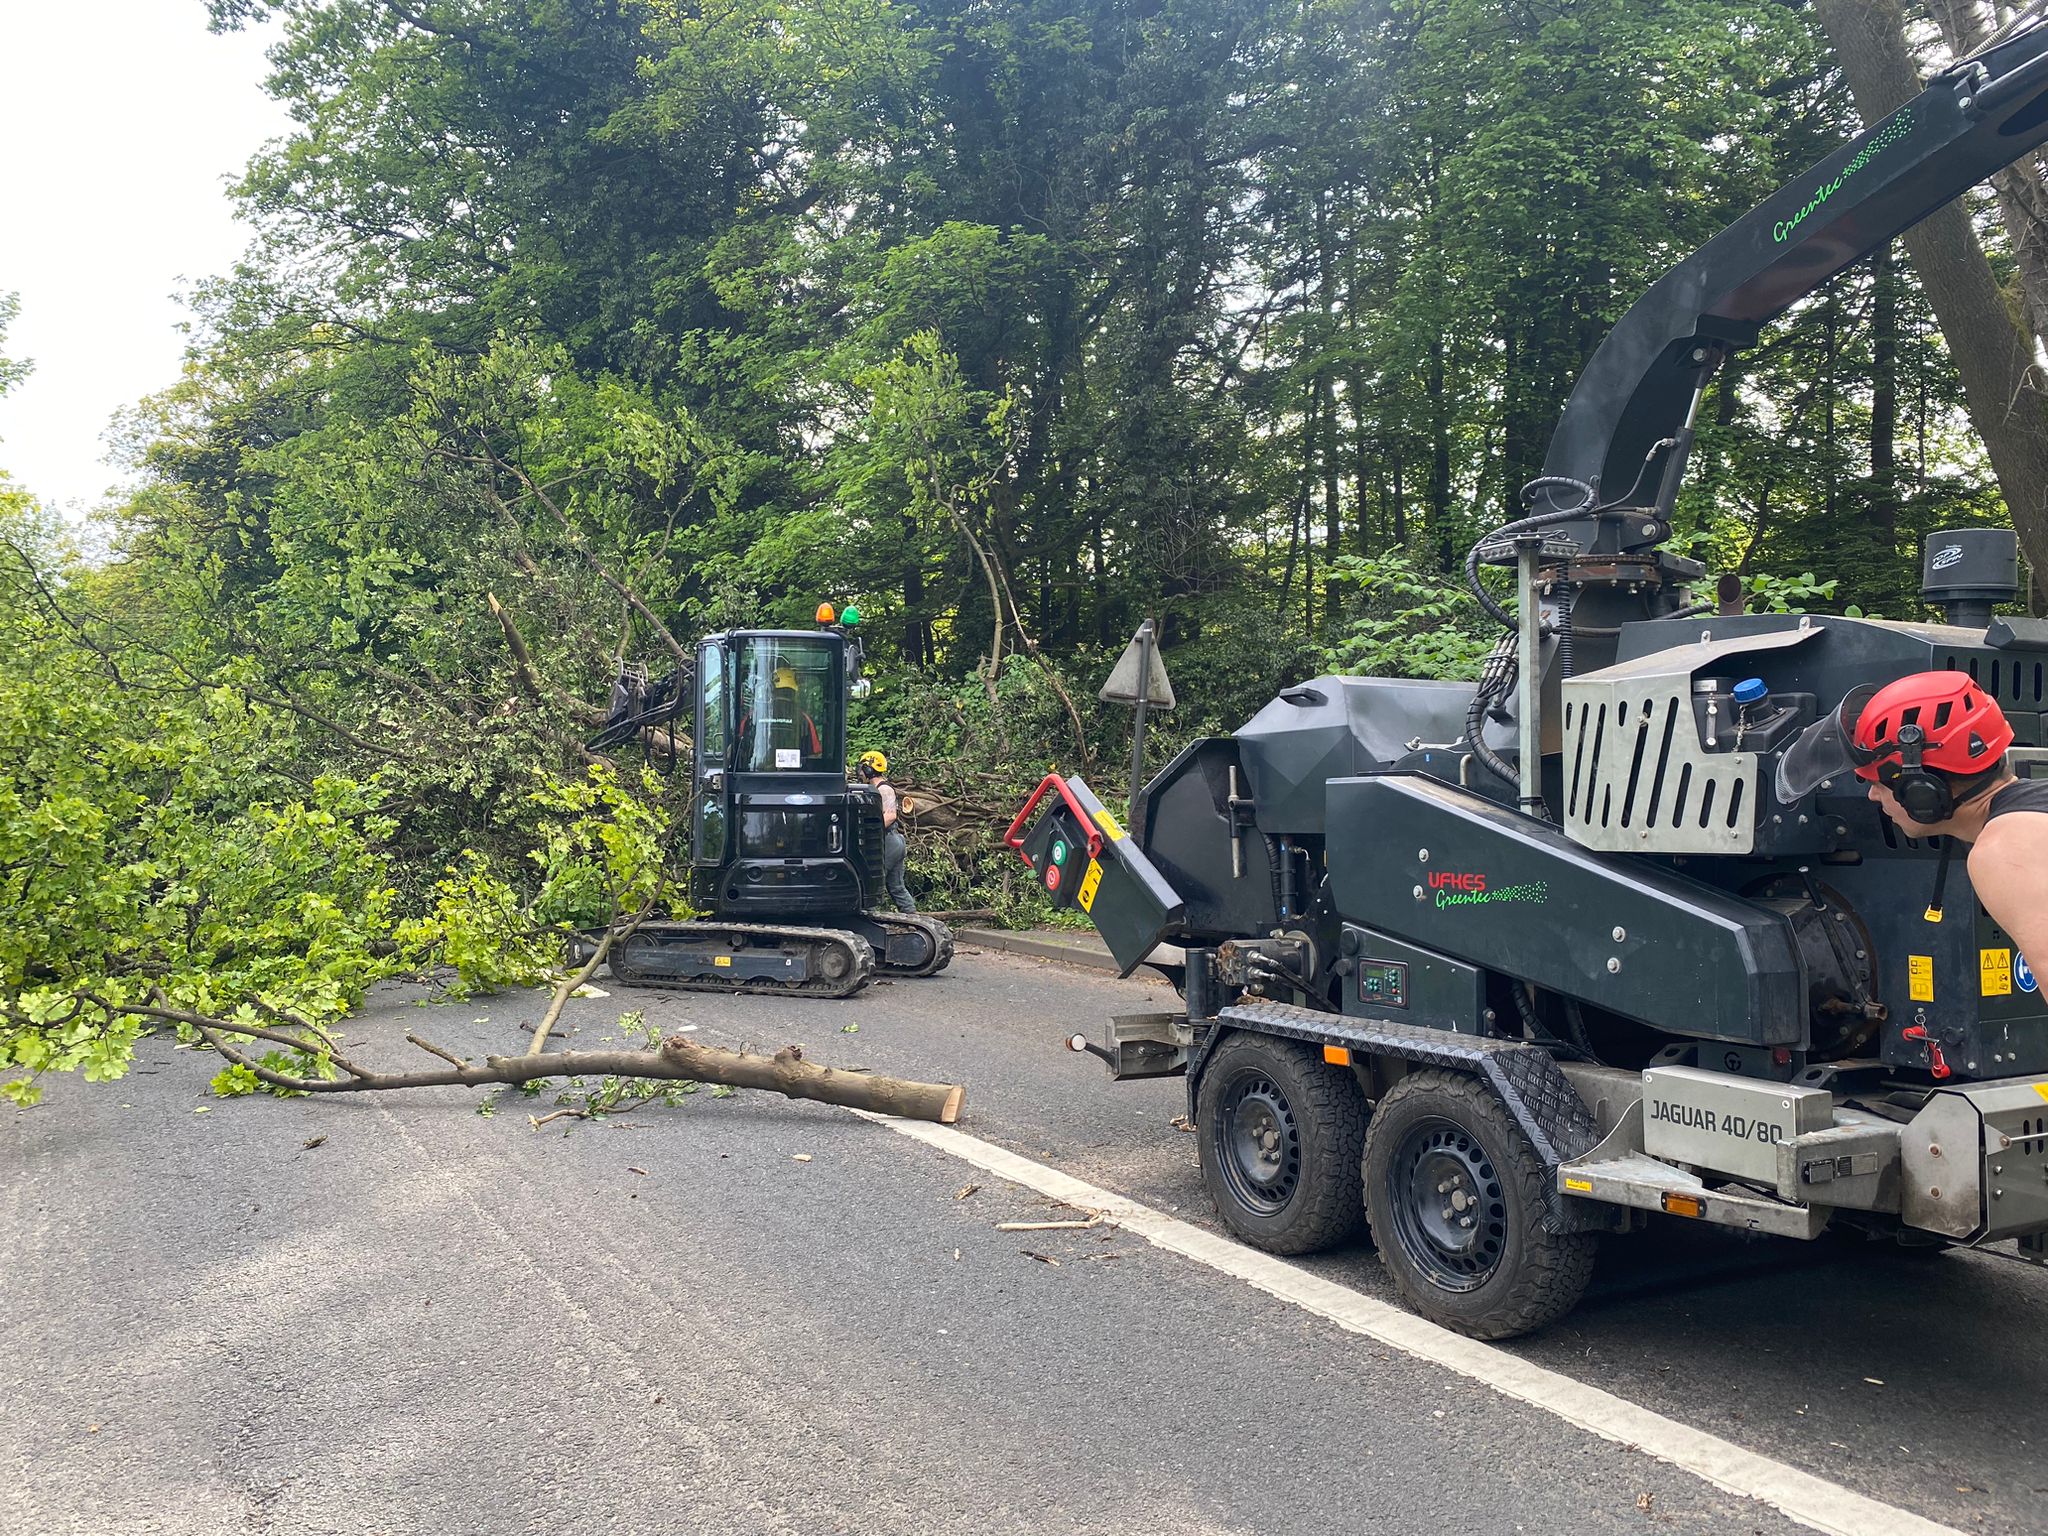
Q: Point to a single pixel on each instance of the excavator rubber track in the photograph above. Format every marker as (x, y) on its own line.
(941, 937)
(712, 956)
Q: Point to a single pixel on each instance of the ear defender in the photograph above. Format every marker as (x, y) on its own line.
(1923, 794)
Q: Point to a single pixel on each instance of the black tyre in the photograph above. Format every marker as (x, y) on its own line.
(1454, 1193)
(1281, 1137)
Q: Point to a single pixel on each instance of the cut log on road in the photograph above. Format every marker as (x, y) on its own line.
(787, 1073)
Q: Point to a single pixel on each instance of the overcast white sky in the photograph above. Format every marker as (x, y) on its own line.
(120, 123)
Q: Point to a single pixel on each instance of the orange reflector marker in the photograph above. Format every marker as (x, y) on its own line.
(1684, 1205)
(1337, 1055)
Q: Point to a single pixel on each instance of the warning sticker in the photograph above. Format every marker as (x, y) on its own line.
(1920, 978)
(1108, 824)
(1089, 881)
(1994, 972)
(721, 960)
(1578, 1186)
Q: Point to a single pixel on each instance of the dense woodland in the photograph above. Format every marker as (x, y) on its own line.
(573, 328)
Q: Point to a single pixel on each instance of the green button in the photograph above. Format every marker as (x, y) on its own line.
(1059, 852)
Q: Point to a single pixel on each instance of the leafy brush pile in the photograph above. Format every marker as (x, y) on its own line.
(156, 862)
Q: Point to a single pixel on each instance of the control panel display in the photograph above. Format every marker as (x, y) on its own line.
(1383, 983)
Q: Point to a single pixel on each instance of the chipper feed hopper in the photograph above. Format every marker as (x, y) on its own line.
(1501, 967)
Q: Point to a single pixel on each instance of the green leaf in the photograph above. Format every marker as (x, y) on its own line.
(234, 1081)
(26, 1092)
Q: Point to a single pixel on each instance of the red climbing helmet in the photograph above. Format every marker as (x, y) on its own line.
(1959, 728)
(1963, 731)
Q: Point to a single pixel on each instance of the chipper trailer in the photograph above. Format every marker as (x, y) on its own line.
(1498, 968)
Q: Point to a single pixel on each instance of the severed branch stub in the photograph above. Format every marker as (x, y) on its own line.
(1050, 1226)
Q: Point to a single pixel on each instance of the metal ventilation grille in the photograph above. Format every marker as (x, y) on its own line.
(1637, 779)
(2017, 679)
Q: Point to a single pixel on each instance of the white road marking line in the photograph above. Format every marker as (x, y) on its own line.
(1800, 1496)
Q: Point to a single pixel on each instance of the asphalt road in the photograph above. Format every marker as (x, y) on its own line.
(437, 1321)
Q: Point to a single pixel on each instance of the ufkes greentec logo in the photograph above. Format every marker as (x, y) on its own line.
(1885, 138)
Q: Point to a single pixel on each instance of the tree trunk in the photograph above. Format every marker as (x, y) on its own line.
(1361, 463)
(1830, 333)
(1400, 502)
(1439, 444)
(2001, 386)
(1884, 421)
(2022, 199)
(917, 640)
(1326, 388)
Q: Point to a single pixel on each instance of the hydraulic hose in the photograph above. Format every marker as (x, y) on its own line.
(1274, 856)
(1567, 598)
(1495, 679)
(1587, 497)
(1501, 666)
(1576, 1033)
(1533, 1027)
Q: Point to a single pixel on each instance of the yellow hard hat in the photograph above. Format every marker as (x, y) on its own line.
(875, 761)
(785, 677)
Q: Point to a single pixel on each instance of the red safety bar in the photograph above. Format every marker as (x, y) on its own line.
(1014, 838)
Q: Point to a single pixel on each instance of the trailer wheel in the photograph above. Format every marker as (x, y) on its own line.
(1281, 1138)
(1454, 1193)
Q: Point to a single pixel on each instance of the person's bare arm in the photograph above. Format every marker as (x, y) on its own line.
(2009, 868)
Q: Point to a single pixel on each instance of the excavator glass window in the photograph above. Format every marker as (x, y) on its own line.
(790, 700)
(711, 687)
(709, 837)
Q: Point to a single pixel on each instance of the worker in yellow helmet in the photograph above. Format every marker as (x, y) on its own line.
(874, 772)
(787, 725)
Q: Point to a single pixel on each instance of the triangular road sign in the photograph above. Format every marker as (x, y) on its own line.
(1122, 687)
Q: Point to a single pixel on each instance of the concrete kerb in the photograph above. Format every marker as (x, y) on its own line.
(1068, 947)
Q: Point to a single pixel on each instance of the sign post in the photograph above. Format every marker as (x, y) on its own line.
(1139, 679)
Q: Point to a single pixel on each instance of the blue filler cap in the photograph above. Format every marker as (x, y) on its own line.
(1751, 690)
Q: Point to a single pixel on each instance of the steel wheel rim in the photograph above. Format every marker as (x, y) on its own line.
(1258, 1144)
(1448, 1204)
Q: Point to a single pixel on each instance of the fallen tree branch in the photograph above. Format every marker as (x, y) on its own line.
(434, 1050)
(566, 989)
(677, 1059)
(576, 541)
(529, 676)
(247, 1031)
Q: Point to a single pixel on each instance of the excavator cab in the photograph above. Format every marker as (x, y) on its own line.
(777, 827)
